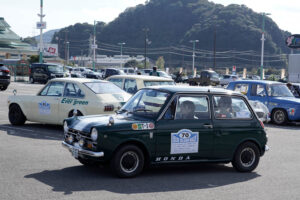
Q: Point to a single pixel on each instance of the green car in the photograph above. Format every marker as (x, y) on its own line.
(168, 125)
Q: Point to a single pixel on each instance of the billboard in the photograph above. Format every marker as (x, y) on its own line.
(293, 41)
(50, 50)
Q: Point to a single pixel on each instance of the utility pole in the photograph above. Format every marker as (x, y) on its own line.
(68, 52)
(66, 46)
(41, 25)
(215, 40)
(94, 46)
(146, 41)
(262, 45)
(194, 43)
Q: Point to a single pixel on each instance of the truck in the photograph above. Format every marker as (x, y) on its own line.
(294, 68)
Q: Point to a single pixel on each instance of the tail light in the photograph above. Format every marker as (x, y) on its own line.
(5, 70)
(108, 108)
(262, 124)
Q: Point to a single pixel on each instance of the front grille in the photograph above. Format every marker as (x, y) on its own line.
(77, 135)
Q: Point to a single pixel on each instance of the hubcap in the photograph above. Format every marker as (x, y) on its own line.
(129, 161)
(247, 157)
(279, 116)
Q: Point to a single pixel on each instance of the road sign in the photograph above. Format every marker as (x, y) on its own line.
(94, 46)
(41, 25)
(293, 41)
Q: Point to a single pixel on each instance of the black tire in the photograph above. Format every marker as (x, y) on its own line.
(128, 161)
(246, 157)
(71, 113)
(3, 87)
(16, 116)
(87, 163)
(279, 117)
(31, 80)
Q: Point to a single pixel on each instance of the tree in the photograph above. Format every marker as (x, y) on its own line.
(131, 63)
(160, 63)
(33, 59)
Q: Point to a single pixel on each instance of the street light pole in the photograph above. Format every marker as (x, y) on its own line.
(262, 45)
(94, 46)
(121, 51)
(68, 52)
(41, 27)
(146, 38)
(194, 43)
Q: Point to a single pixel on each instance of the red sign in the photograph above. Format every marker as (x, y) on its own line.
(233, 68)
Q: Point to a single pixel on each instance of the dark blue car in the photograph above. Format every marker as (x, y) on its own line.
(281, 103)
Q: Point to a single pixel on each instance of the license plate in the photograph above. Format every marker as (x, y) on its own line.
(75, 153)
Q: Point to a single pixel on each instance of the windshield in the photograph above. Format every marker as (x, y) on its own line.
(153, 83)
(215, 75)
(103, 87)
(279, 90)
(55, 68)
(146, 103)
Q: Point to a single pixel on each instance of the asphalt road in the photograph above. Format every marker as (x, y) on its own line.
(34, 165)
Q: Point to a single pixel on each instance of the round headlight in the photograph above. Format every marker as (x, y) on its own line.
(70, 139)
(66, 128)
(81, 142)
(94, 134)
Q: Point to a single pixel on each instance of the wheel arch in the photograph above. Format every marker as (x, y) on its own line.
(21, 107)
(137, 143)
(252, 140)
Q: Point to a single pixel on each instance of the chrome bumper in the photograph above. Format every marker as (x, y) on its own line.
(267, 148)
(82, 151)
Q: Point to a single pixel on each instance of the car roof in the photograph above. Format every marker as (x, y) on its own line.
(257, 81)
(78, 80)
(142, 77)
(194, 89)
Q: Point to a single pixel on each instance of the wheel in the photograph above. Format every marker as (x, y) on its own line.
(246, 157)
(87, 163)
(31, 80)
(16, 116)
(279, 117)
(71, 113)
(3, 87)
(128, 161)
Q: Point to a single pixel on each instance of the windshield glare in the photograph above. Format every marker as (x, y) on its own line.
(55, 68)
(146, 103)
(276, 90)
(152, 83)
(104, 87)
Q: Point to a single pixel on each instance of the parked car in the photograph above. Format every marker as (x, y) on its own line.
(226, 79)
(206, 77)
(132, 83)
(261, 111)
(92, 74)
(79, 72)
(294, 88)
(281, 103)
(60, 97)
(129, 70)
(4, 77)
(164, 74)
(170, 125)
(43, 72)
(112, 71)
(145, 71)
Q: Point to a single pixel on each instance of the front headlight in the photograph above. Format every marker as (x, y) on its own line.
(94, 134)
(66, 128)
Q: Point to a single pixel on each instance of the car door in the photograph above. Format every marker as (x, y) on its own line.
(73, 98)
(233, 121)
(258, 93)
(45, 106)
(181, 136)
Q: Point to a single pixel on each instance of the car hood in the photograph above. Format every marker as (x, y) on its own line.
(121, 122)
(286, 100)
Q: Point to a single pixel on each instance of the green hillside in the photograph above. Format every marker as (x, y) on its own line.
(173, 23)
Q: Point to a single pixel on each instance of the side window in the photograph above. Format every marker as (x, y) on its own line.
(242, 88)
(72, 90)
(192, 107)
(130, 86)
(258, 90)
(117, 81)
(56, 89)
(227, 107)
(45, 90)
(170, 113)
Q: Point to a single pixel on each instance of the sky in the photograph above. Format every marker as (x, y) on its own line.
(22, 15)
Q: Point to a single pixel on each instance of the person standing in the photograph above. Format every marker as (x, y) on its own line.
(154, 72)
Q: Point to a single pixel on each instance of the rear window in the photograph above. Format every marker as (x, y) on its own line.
(153, 83)
(103, 87)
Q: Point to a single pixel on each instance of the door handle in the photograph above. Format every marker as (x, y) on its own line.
(208, 126)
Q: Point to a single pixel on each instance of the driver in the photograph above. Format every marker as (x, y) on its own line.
(187, 111)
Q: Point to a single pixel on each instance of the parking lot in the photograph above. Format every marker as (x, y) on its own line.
(34, 165)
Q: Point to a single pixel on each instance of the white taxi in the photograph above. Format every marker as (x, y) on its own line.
(60, 97)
